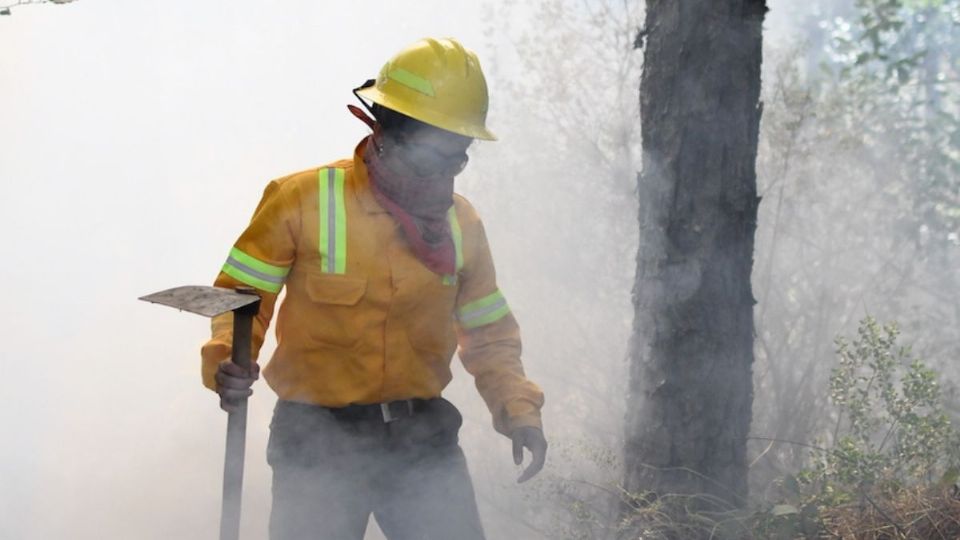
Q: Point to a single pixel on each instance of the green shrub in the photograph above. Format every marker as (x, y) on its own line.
(891, 428)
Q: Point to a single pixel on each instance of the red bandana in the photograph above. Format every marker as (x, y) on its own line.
(419, 204)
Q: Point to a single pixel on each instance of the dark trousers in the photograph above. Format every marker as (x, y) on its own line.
(330, 474)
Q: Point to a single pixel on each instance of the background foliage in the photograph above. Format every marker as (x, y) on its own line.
(858, 169)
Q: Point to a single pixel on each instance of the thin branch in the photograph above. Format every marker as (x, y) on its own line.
(900, 530)
(812, 447)
(5, 9)
(24, 2)
(759, 457)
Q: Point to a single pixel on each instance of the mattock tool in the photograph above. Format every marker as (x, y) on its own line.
(210, 302)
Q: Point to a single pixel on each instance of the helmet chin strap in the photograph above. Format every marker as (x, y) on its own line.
(364, 117)
(368, 119)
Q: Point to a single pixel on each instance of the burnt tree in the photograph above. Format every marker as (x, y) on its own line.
(692, 353)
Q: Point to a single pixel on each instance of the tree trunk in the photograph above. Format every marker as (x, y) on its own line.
(691, 389)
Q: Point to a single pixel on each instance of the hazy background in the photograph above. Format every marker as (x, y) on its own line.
(135, 141)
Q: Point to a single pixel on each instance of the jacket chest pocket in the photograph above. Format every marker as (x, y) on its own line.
(430, 327)
(332, 315)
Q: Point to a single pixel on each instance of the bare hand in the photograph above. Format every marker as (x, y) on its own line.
(233, 383)
(531, 438)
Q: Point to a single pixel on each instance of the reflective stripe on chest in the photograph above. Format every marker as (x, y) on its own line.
(457, 244)
(333, 221)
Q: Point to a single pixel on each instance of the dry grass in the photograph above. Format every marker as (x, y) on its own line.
(920, 513)
(916, 513)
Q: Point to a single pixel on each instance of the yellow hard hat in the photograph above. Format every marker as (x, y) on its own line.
(438, 82)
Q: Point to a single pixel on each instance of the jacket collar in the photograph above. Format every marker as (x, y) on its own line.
(364, 195)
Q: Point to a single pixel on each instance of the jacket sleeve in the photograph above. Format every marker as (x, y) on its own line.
(489, 340)
(260, 258)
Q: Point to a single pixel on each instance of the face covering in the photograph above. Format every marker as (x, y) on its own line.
(419, 203)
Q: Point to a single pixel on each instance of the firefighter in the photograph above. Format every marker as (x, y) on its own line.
(387, 272)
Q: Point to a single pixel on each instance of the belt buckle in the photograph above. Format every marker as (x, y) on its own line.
(388, 415)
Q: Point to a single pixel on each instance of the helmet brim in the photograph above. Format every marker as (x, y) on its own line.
(432, 118)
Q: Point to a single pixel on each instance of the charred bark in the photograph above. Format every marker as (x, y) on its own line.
(692, 353)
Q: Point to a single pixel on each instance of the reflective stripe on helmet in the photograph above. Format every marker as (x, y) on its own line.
(333, 222)
(252, 271)
(412, 80)
(489, 309)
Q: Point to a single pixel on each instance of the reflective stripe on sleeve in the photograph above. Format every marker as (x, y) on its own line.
(333, 222)
(457, 244)
(252, 271)
(489, 309)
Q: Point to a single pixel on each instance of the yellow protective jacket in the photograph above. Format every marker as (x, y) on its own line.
(363, 321)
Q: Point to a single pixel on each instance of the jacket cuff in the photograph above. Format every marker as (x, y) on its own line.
(526, 420)
(520, 412)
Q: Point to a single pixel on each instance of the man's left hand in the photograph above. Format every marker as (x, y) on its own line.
(531, 438)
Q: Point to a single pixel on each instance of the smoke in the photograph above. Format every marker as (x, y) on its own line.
(136, 139)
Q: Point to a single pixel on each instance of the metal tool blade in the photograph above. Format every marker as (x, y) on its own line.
(201, 299)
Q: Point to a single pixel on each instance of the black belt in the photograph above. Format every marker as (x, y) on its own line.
(384, 412)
